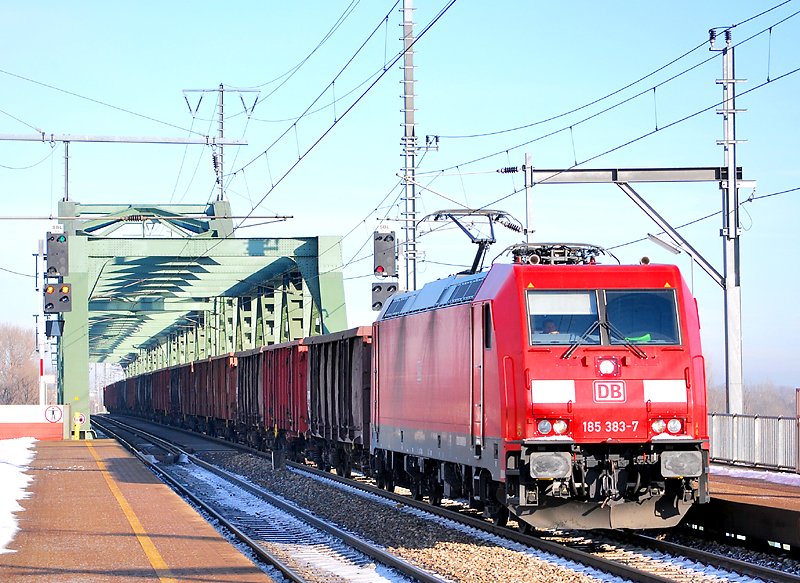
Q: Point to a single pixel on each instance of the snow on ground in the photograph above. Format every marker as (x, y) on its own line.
(787, 478)
(15, 457)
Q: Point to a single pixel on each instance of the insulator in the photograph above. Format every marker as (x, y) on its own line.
(509, 170)
(510, 225)
(214, 160)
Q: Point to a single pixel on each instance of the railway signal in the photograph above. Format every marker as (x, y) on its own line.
(384, 254)
(57, 254)
(53, 328)
(381, 292)
(57, 298)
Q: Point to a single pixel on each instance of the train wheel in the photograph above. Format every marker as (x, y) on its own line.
(436, 495)
(343, 468)
(416, 489)
(524, 527)
(500, 517)
(390, 481)
(380, 481)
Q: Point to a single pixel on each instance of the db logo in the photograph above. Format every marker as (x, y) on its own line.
(609, 391)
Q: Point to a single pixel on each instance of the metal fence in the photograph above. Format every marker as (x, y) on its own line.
(754, 441)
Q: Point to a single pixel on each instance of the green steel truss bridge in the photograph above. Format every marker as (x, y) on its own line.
(149, 303)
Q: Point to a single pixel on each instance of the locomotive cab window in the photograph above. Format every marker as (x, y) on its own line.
(563, 317)
(631, 316)
(642, 316)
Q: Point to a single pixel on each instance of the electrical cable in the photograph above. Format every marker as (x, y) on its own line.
(17, 272)
(34, 128)
(615, 92)
(49, 155)
(97, 101)
(618, 104)
(444, 10)
(650, 133)
(292, 70)
(324, 91)
(708, 216)
(441, 13)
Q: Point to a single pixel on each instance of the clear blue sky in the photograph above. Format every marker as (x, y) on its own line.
(483, 67)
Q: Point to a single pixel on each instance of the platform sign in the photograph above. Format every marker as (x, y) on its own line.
(44, 422)
(53, 414)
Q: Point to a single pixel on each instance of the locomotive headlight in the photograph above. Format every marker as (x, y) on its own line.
(544, 427)
(607, 366)
(560, 427)
(550, 464)
(659, 426)
(674, 426)
(681, 464)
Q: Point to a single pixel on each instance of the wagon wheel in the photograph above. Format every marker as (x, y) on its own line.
(416, 489)
(380, 481)
(322, 463)
(390, 481)
(500, 516)
(435, 496)
(343, 467)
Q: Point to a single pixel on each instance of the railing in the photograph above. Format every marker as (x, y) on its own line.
(754, 441)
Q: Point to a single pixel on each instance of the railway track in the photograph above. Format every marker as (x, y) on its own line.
(302, 547)
(672, 562)
(619, 554)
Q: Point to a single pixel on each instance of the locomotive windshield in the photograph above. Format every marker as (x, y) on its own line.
(624, 317)
(642, 316)
(561, 317)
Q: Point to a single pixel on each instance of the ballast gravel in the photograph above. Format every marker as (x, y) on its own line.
(452, 554)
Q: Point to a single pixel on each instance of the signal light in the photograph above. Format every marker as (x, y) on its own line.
(385, 263)
(57, 298)
(57, 255)
(54, 328)
(381, 292)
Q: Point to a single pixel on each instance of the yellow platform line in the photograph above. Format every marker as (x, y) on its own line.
(155, 558)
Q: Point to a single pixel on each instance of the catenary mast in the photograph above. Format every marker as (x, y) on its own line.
(409, 152)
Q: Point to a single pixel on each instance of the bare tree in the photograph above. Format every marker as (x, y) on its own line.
(19, 375)
(763, 398)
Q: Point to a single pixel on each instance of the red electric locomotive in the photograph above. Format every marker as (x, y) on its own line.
(571, 394)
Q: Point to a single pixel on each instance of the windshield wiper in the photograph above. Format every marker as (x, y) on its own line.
(574, 346)
(627, 343)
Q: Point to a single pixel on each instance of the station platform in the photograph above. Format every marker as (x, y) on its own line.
(95, 514)
(758, 505)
